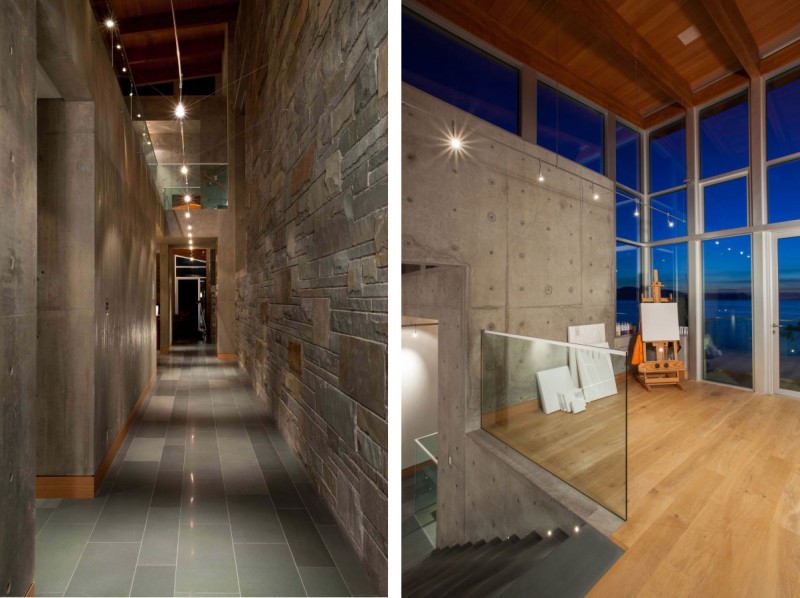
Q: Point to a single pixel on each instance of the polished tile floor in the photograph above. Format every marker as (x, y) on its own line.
(204, 499)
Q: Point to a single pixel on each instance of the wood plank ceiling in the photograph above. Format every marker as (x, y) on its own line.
(626, 55)
(146, 28)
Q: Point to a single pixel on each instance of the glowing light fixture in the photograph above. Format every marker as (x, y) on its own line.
(595, 194)
(138, 115)
(124, 69)
(190, 227)
(187, 215)
(636, 211)
(119, 46)
(541, 176)
(149, 142)
(184, 169)
(670, 223)
(110, 24)
(180, 111)
(187, 198)
(455, 140)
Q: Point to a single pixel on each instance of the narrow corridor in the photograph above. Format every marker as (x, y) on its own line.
(205, 498)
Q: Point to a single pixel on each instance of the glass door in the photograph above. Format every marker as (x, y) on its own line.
(786, 314)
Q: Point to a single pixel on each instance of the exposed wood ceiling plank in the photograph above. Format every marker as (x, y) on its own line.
(504, 39)
(184, 18)
(781, 58)
(212, 46)
(605, 22)
(731, 24)
(723, 87)
(663, 115)
(152, 76)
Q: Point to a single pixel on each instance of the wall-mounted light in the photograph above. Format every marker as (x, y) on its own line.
(670, 223)
(595, 194)
(455, 140)
(541, 176)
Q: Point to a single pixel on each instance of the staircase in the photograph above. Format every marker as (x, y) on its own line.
(555, 565)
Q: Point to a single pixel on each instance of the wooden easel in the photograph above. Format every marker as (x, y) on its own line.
(666, 368)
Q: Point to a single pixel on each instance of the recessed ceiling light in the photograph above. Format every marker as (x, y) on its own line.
(688, 36)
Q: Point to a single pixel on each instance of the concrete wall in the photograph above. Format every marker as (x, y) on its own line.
(537, 257)
(311, 307)
(420, 389)
(97, 266)
(17, 293)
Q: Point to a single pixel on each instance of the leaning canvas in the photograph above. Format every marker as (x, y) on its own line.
(596, 374)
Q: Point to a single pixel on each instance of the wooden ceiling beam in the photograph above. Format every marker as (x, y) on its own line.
(505, 40)
(606, 23)
(139, 54)
(733, 27)
(781, 58)
(184, 18)
(163, 75)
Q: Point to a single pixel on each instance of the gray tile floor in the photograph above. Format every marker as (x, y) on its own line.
(205, 498)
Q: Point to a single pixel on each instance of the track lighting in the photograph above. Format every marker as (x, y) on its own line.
(187, 214)
(180, 111)
(110, 24)
(184, 169)
(595, 194)
(190, 227)
(187, 198)
(541, 176)
(124, 69)
(119, 46)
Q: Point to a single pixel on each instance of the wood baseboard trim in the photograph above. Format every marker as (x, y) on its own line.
(86, 486)
(31, 590)
(226, 356)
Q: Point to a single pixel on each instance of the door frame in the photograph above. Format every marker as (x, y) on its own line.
(773, 355)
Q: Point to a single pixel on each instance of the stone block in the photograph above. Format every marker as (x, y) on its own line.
(322, 322)
(283, 286)
(374, 506)
(382, 65)
(339, 412)
(343, 111)
(373, 426)
(295, 357)
(302, 170)
(333, 173)
(362, 372)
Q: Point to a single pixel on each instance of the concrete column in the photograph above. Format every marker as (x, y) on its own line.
(17, 293)
(66, 272)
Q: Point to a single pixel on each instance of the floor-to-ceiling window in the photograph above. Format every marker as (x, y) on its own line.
(727, 264)
(668, 214)
(629, 202)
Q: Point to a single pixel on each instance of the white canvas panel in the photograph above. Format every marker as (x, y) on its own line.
(660, 322)
(551, 382)
(596, 374)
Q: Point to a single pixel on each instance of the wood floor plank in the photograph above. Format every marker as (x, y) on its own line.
(713, 497)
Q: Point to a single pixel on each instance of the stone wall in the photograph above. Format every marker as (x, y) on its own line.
(98, 222)
(536, 257)
(17, 293)
(312, 303)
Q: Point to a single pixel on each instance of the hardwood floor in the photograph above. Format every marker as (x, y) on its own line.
(714, 495)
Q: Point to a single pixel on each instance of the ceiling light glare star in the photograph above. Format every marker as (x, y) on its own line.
(187, 198)
(184, 169)
(110, 23)
(180, 111)
(455, 141)
(187, 215)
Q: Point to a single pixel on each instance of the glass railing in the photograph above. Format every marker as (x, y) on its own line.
(564, 407)
(427, 461)
(207, 186)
